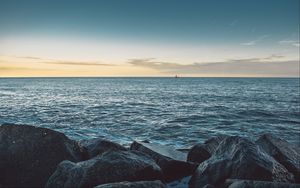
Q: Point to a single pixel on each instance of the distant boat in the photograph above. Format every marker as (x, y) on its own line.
(176, 76)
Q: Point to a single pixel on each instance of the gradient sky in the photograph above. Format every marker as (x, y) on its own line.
(149, 38)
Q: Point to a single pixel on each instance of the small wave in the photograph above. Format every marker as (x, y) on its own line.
(256, 113)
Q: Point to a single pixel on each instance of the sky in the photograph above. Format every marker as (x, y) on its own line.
(193, 38)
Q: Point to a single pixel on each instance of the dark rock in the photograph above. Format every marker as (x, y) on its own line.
(29, 155)
(97, 146)
(138, 184)
(112, 166)
(201, 152)
(259, 184)
(239, 158)
(283, 152)
(198, 154)
(172, 162)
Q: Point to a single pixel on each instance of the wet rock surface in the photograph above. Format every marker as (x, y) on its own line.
(29, 155)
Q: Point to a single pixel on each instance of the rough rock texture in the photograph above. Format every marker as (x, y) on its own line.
(29, 155)
(97, 146)
(138, 184)
(111, 166)
(212, 144)
(201, 152)
(171, 161)
(238, 158)
(283, 152)
(198, 154)
(260, 184)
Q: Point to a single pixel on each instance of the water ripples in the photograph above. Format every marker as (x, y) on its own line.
(177, 112)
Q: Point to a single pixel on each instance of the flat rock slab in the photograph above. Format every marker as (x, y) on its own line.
(139, 184)
(166, 151)
(112, 166)
(284, 152)
(172, 162)
(238, 158)
(29, 155)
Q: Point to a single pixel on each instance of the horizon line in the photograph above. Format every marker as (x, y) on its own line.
(20, 77)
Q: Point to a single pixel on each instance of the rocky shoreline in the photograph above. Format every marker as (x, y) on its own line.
(39, 157)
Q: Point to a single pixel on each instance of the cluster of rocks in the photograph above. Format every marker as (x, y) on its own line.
(39, 157)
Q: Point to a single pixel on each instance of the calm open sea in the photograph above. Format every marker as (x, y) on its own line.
(178, 112)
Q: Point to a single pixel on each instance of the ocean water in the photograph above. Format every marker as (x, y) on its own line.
(178, 112)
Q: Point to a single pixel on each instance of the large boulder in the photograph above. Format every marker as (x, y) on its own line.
(29, 155)
(111, 166)
(172, 162)
(259, 184)
(239, 158)
(284, 152)
(138, 184)
(97, 146)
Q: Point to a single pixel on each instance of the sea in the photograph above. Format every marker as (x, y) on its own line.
(179, 112)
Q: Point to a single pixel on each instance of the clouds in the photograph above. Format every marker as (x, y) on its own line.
(61, 62)
(254, 42)
(234, 67)
(157, 65)
(77, 63)
(270, 66)
(12, 66)
(30, 57)
(289, 42)
(286, 42)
